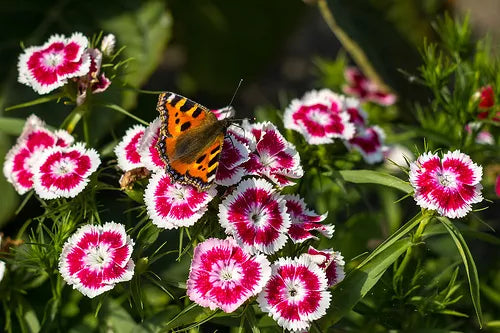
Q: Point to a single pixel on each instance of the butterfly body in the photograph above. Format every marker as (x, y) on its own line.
(190, 142)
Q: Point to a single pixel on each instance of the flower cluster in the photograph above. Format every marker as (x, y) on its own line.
(256, 162)
(323, 116)
(48, 67)
(49, 162)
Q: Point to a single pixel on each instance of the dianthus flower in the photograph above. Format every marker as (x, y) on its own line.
(361, 87)
(224, 276)
(94, 80)
(369, 141)
(296, 294)
(47, 67)
(234, 154)
(175, 205)
(448, 185)
(63, 172)
(150, 157)
(128, 157)
(255, 215)
(319, 116)
(34, 138)
(95, 258)
(332, 262)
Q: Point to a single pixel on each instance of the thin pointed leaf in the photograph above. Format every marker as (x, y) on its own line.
(375, 177)
(470, 265)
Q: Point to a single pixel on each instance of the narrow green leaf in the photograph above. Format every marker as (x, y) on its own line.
(360, 280)
(470, 266)
(37, 101)
(375, 177)
(125, 112)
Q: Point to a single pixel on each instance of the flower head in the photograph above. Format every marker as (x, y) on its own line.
(332, 262)
(224, 276)
(35, 137)
(274, 157)
(304, 220)
(175, 205)
(47, 67)
(63, 172)
(369, 141)
(361, 87)
(126, 150)
(95, 258)
(319, 116)
(94, 80)
(150, 157)
(486, 97)
(449, 185)
(255, 215)
(296, 294)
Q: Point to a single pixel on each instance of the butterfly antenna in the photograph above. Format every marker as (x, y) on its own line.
(235, 92)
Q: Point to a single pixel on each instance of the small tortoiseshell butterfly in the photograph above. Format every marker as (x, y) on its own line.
(190, 141)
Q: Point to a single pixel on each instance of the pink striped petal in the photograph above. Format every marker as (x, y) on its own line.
(332, 262)
(361, 87)
(234, 154)
(369, 141)
(150, 157)
(255, 215)
(223, 276)
(126, 151)
(95, 258)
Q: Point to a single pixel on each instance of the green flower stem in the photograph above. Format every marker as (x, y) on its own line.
(74, 118)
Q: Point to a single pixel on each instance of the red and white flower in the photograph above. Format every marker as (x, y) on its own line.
(255, 215)
(63, 172)
(304, 220)
(224, 113)
(126, 150)
(369, 141)
(296, 294)
(95, 258)
(361, 87)
(150, 157)
(224, 276)
(357, 115)
(47, 67)
(448, 185)
(94, 80)
(175, 205)
(234, 154)
(332, 262)
(274, 157)
(35, 137)
(319, 116)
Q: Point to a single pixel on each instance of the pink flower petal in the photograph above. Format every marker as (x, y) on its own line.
(296, 294)
(95, 258)
(361, 87)
(175, 205)
(223, 276)
(150, 157)
(234, 154)
(127, 149)
(369, 142)
(487, 97)
(224, 113)
(255, 215)
(332, 262)
(497, 186)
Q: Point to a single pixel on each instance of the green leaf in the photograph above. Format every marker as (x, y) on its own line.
(41, 100)
(12, 126)
(375, 177)
(190, 315)
(360, 280)
(470, 266)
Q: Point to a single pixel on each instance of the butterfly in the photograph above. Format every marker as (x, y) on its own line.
(190, 140)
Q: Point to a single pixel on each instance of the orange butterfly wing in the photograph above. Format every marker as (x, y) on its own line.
(190, 140)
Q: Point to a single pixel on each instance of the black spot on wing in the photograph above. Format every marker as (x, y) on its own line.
(175, 99)
(216, 149)
(185, 126)
(214, 160)
(211, 173)
(197, 112)
(177, 121)
(200, 159)
(188, 105)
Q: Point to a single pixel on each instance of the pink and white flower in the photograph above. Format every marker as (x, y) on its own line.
(94, 80)
(95, 258)
(361, 87)
(175, 205)
(255, 215)
(224, 276)
(63, 172)
(47, 67)
(126, 150)
(224, 113)
(108, 44)
(357, 115)
(234, 154)
(296, 294)
(274, 157)
(304, 220)
(369, 141)
(319, 116)
(35, 137)
(150, 157)
(448, 185)
(332, 262)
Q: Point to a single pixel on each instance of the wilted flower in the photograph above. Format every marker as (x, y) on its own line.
(94, 80)
(449, 185)
(95, 258)
(224, 276)
(47, 67)
(255, 215)
(296, 294)
(108, 44)
(175, 205)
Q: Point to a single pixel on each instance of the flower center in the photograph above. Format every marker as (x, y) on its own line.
(318, 116)
(225, 273)
(257, 215)
(446, 179)
(63, 167)
(266, 159)
(294, 290)
(177, 194)
(98, 257)
(52, 59)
